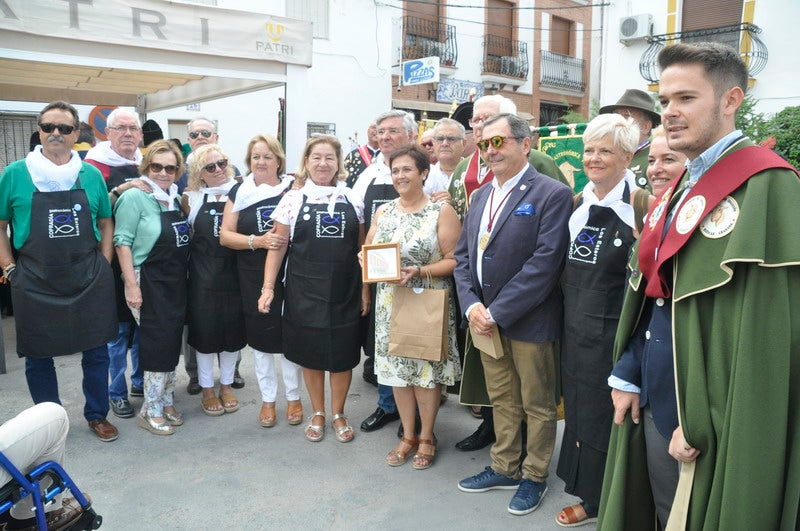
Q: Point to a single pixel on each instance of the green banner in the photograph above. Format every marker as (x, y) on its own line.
(567, 151)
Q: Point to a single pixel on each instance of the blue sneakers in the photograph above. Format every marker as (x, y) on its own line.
(487, 480)
(528, 497)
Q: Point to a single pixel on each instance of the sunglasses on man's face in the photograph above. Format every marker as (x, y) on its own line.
(64, 129)
(170, 169)
(496, 142)
(221, 163)
(205, 132)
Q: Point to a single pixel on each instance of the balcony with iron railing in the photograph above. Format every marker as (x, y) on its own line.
(428, 38)
(562, 71)
(505, 58)
(742, 37)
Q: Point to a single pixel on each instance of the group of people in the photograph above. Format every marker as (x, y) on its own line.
(657, 301)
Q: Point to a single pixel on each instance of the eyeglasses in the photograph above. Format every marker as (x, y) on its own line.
(496, 141)
(478, 120)
(221, 163)
(451, 139)
(170, 169)
(205, 132)
(125, 128)
(64, 129)
(427, 143)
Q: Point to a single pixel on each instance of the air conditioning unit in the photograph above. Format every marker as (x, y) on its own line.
(635, 28)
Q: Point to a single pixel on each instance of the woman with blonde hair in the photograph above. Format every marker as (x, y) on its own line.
(247, 228)
(324, 223)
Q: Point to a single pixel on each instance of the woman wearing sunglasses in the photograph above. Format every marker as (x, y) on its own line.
(247, 228)
(152, 242)
(216, 323)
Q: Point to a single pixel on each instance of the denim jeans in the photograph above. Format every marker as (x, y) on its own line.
(118, 361)
(386, 399)
(43, 384)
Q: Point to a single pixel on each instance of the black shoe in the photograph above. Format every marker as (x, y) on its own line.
(238, 381)
(370, 378)
(483, 437)
(136, 391)
(417, 428)
(194, 387)
(122, 408)
(378, 420)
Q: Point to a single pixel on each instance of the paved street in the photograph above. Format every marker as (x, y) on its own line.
(229, 473)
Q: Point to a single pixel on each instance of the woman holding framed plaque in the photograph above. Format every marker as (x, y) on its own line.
(426, 233)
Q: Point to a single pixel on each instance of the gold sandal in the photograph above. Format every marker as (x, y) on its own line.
(315, 433)
(342, 430)
(421, 460)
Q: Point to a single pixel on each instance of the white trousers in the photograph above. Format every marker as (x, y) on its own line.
(36, 435)
(268, 377)
(205, 368)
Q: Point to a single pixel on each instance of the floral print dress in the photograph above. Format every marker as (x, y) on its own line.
(419, 246)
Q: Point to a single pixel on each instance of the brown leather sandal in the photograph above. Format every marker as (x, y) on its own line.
(399, 457)
(267, 417)
(229, 402)
(574, 516)
(210, 407)
(294, 412)
(421, 460)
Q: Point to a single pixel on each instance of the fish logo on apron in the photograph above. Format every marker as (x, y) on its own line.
(330, 226)
(587, 245)
(181, 229)
(263, 219)
(63, 223)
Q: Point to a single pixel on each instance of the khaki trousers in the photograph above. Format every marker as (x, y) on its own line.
(521, 386)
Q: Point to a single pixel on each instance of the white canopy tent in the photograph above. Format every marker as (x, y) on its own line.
(148, 54)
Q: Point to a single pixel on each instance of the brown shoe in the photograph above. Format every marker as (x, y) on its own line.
(104, 430)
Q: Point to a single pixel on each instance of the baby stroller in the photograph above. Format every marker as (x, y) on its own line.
(22, 485)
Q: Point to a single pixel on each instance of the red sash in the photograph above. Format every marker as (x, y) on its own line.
(366, 154)
(720, 180)
(471, 175)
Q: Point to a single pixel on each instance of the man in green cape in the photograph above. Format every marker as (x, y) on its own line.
(722, 250)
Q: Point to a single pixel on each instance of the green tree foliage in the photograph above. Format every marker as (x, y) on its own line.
(785, 128)
(751, 123)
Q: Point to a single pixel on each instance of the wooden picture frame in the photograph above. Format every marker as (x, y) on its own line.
(381, 263)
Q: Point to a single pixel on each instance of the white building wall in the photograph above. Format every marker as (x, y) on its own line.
(776, 86)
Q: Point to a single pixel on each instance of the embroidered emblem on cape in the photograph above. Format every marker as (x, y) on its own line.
(658, 211)
(689, 214)
(63, 223)
(586, 245)
(721, 220)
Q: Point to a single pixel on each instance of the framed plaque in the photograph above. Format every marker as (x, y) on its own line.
(381, 262)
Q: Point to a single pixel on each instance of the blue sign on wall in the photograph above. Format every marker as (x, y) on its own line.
(458, 90)
(420, 71)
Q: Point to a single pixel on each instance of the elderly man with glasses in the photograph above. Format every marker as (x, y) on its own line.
(62, 283)
(118, 160)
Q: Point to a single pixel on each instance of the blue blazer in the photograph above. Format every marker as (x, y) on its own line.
(523, 260)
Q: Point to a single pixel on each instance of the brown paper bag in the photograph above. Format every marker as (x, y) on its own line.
(419, 322)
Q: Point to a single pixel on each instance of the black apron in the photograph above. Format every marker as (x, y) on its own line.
(63, 287)
(118, 175)
(323, 289)
(162, 280)
(263, 330)
(593, 285)
(375, 196)
(216, 323)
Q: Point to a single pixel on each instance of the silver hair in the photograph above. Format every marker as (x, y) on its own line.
(449, 121)
(519, 127)
(505, 105)
(409, 123)
(111, 120)
(202, 119)
(624, 131)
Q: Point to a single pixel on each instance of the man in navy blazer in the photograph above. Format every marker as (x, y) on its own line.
(509, 260)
